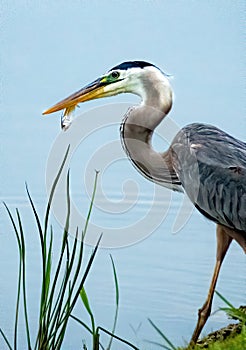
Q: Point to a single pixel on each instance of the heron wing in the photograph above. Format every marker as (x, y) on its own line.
(211, 166)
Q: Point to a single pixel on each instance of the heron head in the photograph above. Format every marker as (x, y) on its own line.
(128, 77)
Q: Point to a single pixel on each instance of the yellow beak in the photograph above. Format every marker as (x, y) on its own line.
(89, 92)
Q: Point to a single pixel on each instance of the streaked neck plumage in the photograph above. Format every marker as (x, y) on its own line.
(137, 130)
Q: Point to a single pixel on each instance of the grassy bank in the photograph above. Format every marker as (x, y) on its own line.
(232, 342)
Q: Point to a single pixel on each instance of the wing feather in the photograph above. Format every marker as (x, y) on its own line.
(211, 165)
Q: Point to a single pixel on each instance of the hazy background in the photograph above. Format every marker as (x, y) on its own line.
(50, 49)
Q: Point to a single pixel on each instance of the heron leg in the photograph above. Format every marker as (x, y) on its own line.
(223, 243)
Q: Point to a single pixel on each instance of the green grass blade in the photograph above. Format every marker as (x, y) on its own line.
(224, 299)
(116, 301)
(81, 323)
(81, 284)
(96, 343)
(40, 231)
(45, 299)
(85, 275)
(43, 252)
(85, 301)
(158, 344)
(52, 191)
(65, 294)
(64, 283)
(23, 248)
(44, 324)
(162, 335)
(19, 276)
(46, 305)
(79, 263)
(13, 224)
(48, 264)
(5, 339)
(80, 256)
(51, 309)
(235, 313)
(59, 309)
(47, 310)
(17, 301)
(63, 326)
(118, 338)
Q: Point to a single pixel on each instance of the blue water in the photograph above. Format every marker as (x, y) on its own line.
(163, 275)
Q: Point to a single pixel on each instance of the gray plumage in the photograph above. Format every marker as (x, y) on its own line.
(204, 161)
(211, 166)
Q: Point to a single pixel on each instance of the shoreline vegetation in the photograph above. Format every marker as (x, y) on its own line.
(230, 337)
(57, 300)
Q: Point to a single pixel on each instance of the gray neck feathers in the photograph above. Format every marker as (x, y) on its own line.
(136, 133)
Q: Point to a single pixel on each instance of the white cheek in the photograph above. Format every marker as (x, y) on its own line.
(115, 88)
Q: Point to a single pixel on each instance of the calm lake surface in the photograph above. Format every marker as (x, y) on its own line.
(164, 251)
(162, 275)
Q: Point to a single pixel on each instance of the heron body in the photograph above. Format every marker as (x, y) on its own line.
(202, 160)
(211, 166)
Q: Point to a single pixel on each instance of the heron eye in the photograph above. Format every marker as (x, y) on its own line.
(115, 75)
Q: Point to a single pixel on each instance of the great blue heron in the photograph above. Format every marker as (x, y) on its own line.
(204, 161)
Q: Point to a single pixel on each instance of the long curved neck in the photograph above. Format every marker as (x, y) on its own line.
(157, 93)
(136, 134)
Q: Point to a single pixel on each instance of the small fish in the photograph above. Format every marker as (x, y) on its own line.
(67, 117)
